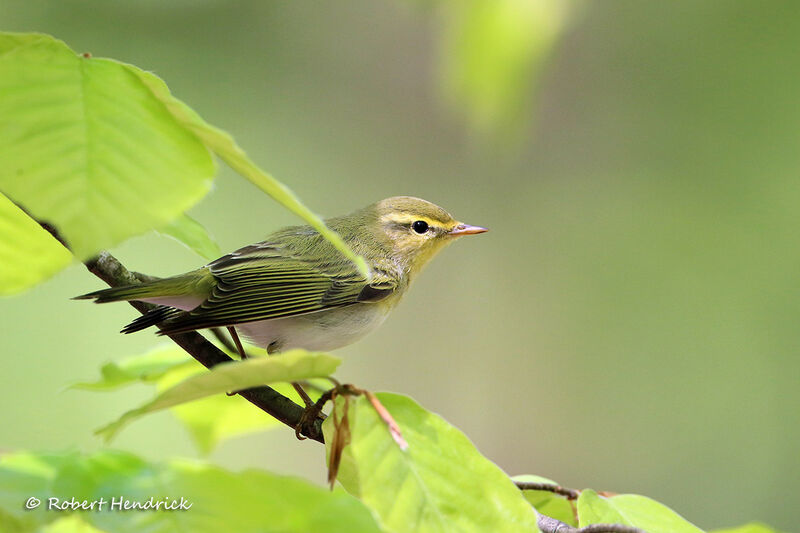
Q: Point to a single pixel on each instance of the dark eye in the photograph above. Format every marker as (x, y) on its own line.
(420, 226)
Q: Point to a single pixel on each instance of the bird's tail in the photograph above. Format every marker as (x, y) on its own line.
(151, 318)
(125, 293)
(172, 294)
(197, 283)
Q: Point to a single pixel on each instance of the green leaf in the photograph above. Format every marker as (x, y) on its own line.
(22, 476)
(28, 253)
(222, 144)
(441, 483)
(219, 417)
(188, 231)
(546, 502)
(70, 524)
(491, 51)
(209, 420)
(631, 510)
(102, 149)
(245, 502)
(149, 367)
(753, 527)
(294, 365)
(86, 146)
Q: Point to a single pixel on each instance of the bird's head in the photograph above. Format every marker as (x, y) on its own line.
(417, 229)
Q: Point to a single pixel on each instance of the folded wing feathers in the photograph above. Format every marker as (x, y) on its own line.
(265, 287)
(263, 282)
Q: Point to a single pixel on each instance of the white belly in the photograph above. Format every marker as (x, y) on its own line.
(324, 330)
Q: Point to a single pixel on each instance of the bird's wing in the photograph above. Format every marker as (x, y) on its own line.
(263, 282)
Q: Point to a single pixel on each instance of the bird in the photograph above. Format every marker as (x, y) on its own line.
(295, 289)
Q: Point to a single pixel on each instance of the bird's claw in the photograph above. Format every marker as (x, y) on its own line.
(310, 415)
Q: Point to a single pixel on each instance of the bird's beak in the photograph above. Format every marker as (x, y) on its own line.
(466, 229)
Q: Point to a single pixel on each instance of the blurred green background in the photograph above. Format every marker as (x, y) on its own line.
(631, 321)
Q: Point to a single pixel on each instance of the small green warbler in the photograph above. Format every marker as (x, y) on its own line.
(294, 289)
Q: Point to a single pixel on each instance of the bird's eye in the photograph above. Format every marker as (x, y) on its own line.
(420, 226)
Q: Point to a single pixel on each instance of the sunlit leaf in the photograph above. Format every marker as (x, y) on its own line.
(216, 418)
(441, 483)
(148, 367)
(86, 146)
(209, 420)
(28, 253)
(245, 502)
(294, 365)
(104, 151)
(222, 144)
(188, 231)
(546, 502)
(631, 510)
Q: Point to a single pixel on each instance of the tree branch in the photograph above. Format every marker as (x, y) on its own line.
(109, 269)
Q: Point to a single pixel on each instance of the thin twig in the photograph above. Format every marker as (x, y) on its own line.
(570, 494)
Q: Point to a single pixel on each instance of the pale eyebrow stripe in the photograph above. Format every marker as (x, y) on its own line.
(408, 219)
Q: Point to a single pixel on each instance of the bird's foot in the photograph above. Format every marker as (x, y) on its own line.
(313, 410)
(310, 415)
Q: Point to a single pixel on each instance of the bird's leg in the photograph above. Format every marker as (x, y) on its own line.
(223, 339)
(236, 341)
(303, 394)
(311, 412)
(314, 411)
(273, 348)
(312, 387)
(239, 347)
